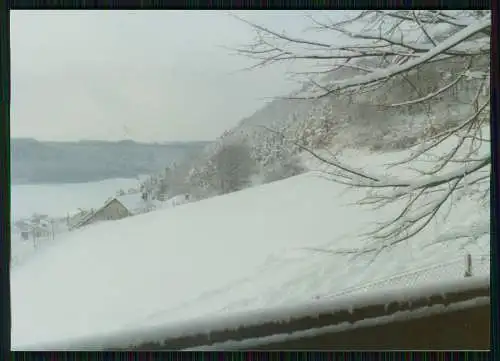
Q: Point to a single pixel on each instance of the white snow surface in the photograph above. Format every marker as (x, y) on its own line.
(57, 200)
(242, 252)
(127, 338)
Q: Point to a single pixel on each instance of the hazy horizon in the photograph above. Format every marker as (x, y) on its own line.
(109, 141)
(148, 76)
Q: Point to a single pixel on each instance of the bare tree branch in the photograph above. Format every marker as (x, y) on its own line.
(393, 49)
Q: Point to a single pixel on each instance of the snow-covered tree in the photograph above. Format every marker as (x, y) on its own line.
(233, 166)
(199, 180)
(283, 169)
(426, 69)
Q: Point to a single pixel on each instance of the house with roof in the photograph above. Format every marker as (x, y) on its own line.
(33, 228)
(120, 207)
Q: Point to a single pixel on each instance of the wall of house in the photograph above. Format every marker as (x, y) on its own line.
(40, 232)
(114, 210)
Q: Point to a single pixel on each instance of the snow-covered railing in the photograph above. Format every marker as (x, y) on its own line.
(442, 309)
(454, 269)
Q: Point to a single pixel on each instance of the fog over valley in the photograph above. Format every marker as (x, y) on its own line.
(34, 162)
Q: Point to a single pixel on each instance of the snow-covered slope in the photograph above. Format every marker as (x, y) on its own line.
(365, 120)
(248, 250)
(56, 201)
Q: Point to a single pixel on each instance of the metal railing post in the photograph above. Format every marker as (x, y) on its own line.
(468, 265)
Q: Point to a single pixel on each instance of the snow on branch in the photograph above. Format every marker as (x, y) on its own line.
(391, 71)
(394, 50)
(430, 95)
(406, 54)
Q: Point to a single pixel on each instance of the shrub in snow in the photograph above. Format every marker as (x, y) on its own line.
(278, 171)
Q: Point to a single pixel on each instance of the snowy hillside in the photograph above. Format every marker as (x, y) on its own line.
(56, 201)
(262, 247)
(377, 100)
(400, 198)
(356, 122)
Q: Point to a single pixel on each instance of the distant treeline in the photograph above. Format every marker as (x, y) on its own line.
(34, 161)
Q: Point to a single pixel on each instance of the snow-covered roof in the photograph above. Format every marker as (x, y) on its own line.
(246, 329)
(79, 220)
(269, 342)
(21, 223)
(28, 224)
(135, 203)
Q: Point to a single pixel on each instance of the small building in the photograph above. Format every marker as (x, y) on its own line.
(120, 207)
(41, 231)
(25, 235)
(23, 228)
(33, 228)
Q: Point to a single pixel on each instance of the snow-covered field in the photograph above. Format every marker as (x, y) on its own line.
(56, 200)
(248, 250)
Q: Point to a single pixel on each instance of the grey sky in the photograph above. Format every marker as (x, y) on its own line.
(145, 75)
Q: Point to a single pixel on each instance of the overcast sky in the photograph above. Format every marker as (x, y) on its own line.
(142, 75)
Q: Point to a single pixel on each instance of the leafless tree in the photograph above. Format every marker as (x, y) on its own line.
(377, 51)
(233, 167)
